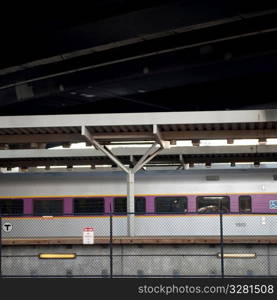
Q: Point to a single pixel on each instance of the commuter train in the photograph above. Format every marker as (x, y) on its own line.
(167, 203)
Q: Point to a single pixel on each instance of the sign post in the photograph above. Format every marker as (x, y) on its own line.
(88, 236)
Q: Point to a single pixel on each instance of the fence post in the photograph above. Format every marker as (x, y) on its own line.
(0, 242)
(111, 242)
(221, 239)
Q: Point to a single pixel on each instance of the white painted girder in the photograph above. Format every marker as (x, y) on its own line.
(203, 117)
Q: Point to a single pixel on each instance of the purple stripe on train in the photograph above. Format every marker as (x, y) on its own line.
(260, 203)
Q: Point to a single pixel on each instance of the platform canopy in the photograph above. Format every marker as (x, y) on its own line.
(25, 140)
(42, 131)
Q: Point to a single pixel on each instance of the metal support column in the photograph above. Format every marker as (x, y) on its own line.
(0, 242)
(111, 242)
(131, 203)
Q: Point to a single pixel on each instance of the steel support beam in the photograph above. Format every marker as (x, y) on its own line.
(131, 203)
(158, 137)
(130, 174)
(104, 149)
(134, 119)
(141, 162)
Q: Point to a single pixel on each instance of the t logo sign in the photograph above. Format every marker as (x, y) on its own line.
(7, 227)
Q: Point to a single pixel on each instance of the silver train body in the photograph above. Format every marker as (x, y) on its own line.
(260, 184)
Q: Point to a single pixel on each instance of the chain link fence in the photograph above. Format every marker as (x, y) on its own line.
(160, 245)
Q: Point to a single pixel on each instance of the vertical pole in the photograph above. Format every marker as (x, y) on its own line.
(131, 203)
(0, 242)
(111, 241)
(221, 238)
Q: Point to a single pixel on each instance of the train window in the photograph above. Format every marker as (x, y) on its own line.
(48, 207)
(88, 205)
(11, 206)
(139, 204)
(211, 204)
(171, 204)
(245, 205)
(120, 205)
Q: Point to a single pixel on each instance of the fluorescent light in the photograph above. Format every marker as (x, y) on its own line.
(237, 255)
(87, 95)
(57, 255)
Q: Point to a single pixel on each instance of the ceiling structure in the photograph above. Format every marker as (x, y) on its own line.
(43, 131)
(178, 157)
(24, 139)
(138, 56)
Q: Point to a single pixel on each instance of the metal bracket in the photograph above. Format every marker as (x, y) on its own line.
(104, 149)
(149, 154)
(159, 139)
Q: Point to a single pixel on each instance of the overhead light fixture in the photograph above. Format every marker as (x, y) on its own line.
(87, 95)
(237, 255)
(145, 70)
(57, 255)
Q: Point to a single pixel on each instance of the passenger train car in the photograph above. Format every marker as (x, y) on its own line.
(167, 203)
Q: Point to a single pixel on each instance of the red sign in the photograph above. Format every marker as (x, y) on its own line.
(88, 229)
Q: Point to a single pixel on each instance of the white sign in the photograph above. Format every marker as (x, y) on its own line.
(88, 236)
(7, 227)
(273, 204)
(263, 220)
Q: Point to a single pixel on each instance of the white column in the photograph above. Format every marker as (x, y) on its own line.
(131, 203)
